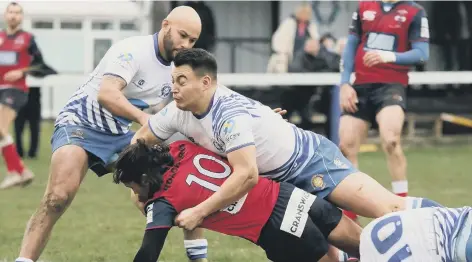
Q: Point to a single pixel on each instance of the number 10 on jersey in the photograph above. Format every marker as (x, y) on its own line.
(233, 208)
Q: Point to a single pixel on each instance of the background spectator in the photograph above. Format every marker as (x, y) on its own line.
(290, 37)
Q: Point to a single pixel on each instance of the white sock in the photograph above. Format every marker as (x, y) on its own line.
(8, 140)
(400, 187)
(22, 259)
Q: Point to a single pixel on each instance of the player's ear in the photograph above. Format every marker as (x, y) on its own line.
(206, 81)
(165, 23)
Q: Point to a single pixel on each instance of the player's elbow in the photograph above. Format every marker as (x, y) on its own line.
(252, 176)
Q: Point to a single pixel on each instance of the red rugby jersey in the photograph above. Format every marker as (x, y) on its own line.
(16, 52)
(195, 176)
(392, 30)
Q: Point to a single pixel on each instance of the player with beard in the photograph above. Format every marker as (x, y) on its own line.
(134, 75)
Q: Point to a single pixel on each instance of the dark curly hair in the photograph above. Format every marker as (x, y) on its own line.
(139, 159)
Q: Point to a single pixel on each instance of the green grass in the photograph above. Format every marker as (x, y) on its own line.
(103, 225)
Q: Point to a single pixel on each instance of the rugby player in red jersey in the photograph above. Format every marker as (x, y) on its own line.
(288, 223)
(386, 39)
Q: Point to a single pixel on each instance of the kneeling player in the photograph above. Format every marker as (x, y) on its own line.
(434, 234)
(288, 223)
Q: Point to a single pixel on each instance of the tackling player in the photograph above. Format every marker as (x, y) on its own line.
(288, 223)
(134, 74)
(386, 39)
(258, 141)
(428, 234)
(18, 50)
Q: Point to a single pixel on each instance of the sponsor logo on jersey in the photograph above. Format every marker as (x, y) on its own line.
(125, 57)
(228, 126)
(369, 15)
(296, 214)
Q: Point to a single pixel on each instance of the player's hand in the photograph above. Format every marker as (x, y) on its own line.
(348, 97)
(280, 111)
(373, 58)
(189, 219)
(13, 75)
(144, 118)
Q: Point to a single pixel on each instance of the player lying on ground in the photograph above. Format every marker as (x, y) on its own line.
(258, 141)
(386, 38)
(288, 223)
(434, 234)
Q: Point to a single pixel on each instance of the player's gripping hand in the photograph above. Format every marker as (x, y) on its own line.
(144, 118)
(375, 57)
(189, 218)
(348, 97)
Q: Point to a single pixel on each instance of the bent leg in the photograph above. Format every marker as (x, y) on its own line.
(363, 195)
(352, 132)
(64, 181)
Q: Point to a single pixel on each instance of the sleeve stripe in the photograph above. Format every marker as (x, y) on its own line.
(240, 146)
(111, 74)
(157, 227)
(153, 132)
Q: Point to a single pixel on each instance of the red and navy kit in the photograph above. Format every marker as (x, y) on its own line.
(17, 51)
(393, 30)
(195, 176)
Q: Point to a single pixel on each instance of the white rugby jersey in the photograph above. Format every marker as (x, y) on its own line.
(453, 229)
(234, 121)
(148, 77)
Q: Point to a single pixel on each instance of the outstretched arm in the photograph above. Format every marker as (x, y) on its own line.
(151, 247)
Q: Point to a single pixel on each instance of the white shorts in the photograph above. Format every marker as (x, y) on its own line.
(406, 236)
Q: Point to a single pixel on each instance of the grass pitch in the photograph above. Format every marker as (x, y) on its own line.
(103, 225)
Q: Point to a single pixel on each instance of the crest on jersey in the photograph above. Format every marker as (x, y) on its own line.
(317, 182)
(218, 144)
(165, 90)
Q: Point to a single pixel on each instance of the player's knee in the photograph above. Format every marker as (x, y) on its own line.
(391, 143)
(57, 200)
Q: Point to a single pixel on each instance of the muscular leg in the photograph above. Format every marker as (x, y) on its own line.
(352, 132)
(17, 173)
(390, 120)
(64, 181)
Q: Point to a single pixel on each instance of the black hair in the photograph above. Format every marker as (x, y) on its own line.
(14, 4)
(140, 159)
(201, 61)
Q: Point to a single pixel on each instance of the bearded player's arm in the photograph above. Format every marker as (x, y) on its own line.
(418, 35)
(160, 126)
(120, 69)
